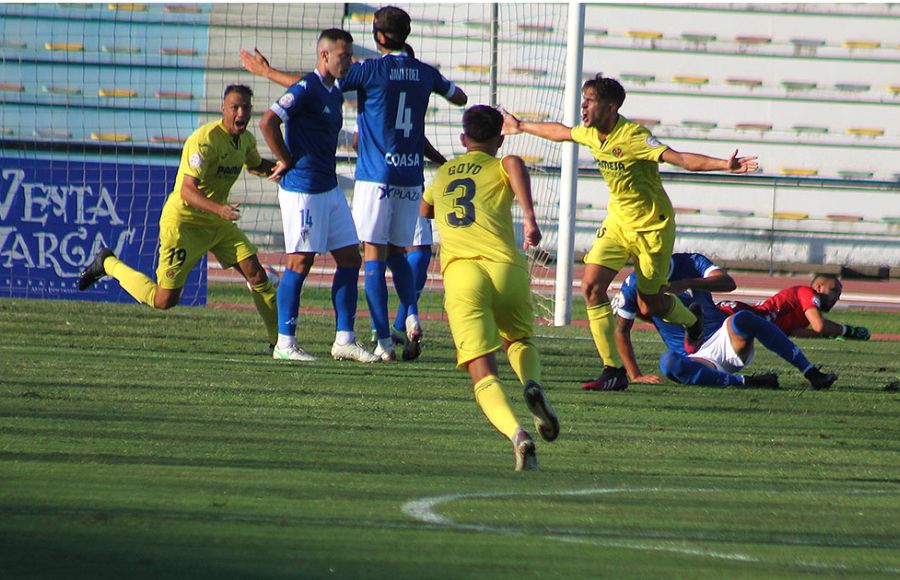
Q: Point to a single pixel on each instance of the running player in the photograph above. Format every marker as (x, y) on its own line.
(486, 281)
(197, 217)
(314, 211)
(640, 221)
(729, 343)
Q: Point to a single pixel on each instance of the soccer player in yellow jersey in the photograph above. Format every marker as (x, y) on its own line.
(197, 217)
(640, 221)
(486, 281)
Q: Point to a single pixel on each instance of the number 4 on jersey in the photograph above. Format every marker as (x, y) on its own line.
(404, 116)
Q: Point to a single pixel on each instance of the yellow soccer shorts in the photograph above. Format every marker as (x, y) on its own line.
(652, 252)
(182, 245)
(486, 303)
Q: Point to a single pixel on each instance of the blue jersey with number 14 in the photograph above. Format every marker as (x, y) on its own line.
(392, 96)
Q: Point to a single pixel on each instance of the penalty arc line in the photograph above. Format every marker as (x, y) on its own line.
(423, 510)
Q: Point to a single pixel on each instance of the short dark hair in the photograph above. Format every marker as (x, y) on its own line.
(242, 89)
(607, 89)
(394, 24)
(482, 123)
(336, 34)
(409, 50)
(823, 277)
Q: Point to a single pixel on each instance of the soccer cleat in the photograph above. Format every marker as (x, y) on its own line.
(352, 351)
(762, 380)
(818, 379)
(612, 379)
(386, 355)
(523, 447)
(293, 352)
(545, 419)
(413, 346)
(693, 336)
(95, 271)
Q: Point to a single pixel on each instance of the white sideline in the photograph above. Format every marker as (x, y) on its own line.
(423, 510)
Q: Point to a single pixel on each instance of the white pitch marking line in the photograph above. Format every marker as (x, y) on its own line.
(423, 510)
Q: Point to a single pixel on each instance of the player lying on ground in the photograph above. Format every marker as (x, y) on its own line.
(729, 340)
(314, 210)
(197, 217)
(487, 292)
(640, 221)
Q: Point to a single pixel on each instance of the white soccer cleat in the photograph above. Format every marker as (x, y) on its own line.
(292, 352)
(413, 346)
(523, 448)
(353, 351)
(385, 354)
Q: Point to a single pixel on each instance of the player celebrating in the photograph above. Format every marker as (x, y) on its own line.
(197, 217)
(729, 343)
(392, 95)
(640, 221)
(486, 280)
(314, 211)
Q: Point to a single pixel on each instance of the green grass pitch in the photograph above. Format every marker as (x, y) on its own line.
(142, 444)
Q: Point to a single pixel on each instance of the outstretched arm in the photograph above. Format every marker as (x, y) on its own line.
(257, 64)
(459, 97)
(699, 162)
(520, 182)
(716, 281)
(512, 125)
(626, 351)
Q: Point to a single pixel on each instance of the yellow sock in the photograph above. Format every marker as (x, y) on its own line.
(679, 314)
(141, 288)
(603, 329)
(525, 360)
(266, 304)
(489, 396)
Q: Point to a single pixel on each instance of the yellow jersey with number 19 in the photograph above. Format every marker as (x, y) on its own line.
(472, 202)
(211, 155)
(629, 160)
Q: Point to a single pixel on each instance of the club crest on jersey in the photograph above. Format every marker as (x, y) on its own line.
(195, 161)
(617, 152)
(286, 100)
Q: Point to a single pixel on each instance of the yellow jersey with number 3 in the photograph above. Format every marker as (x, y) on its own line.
(472, 202)
(629, 160)
(211, 155)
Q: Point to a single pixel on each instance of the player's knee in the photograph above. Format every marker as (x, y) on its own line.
(672, 365)
(166, 301)
(745, 324)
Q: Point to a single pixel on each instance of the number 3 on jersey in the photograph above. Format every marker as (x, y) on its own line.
(404, 116)
(463, 214)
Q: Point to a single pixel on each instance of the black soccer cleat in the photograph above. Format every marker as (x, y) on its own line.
(762, 381)
(612, 379)
(818, 379)
(693, 336)
(95, 271)
(545, 419)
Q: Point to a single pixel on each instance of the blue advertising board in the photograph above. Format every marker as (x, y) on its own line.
(55, 215)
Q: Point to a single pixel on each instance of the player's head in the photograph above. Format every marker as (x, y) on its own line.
(828, 288)
(335, 52)
(600, 103)
(390, 27)
(236, 108)
(481, 129)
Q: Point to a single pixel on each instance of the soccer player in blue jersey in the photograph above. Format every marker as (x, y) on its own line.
(392, 94)
(314, 211)
(729, 341)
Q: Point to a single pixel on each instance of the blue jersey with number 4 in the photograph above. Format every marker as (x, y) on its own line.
(682, 266)
(313, 116)
(392, 95)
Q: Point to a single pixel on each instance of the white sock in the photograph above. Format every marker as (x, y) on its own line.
(343, 337)
(386, 344)
(285, 341)
(411, 321)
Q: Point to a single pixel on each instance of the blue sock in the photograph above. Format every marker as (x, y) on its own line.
(376, 296)
(288, 299)
(687, 371)
(344, 295)
(404, 284)
(749, 326)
